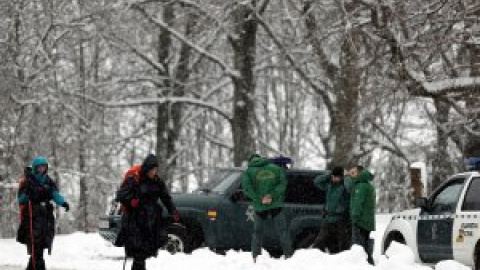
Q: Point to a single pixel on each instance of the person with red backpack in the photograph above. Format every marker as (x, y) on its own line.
(142, 230)
(37, 223)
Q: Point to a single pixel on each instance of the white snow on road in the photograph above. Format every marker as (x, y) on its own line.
(81, 251)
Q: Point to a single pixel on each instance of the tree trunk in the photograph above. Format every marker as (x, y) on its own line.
(345, 115)
(243, 42)
(346, 86)
(163, 119)
(345, 118)
(472, 147)
(82, 155)
(175, 110)
(441, 164)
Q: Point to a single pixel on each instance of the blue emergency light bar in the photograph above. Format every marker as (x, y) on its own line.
(281, 161)
(473, 163)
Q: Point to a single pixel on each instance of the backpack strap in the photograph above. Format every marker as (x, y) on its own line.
(22, 182)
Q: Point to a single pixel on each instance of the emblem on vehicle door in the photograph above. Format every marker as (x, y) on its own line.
(434, 231)
(250, 213)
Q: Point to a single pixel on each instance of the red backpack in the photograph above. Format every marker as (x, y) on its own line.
(134, 172)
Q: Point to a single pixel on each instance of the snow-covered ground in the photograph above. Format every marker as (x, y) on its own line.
(81, 251)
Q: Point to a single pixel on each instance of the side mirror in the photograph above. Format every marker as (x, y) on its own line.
(238, 195)
(421, 202)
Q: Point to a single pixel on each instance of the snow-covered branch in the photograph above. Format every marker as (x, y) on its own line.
(138, 52)
(395, 148)
(26, 102)
(445, 86)
(232, 73)
(292, 61)
(157, 101)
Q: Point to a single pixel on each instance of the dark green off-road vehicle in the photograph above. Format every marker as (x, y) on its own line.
(219, 215)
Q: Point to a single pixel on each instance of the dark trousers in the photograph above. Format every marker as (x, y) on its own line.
(261, 224)
(334, 237)
(361, 237)
(36, 259)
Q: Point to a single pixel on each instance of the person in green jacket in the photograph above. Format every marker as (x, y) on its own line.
(335, 233)
(265, 184)
(362, 209)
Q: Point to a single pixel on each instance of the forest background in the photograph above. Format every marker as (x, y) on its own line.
(96, 85)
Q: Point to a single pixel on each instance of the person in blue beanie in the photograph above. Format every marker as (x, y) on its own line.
(37, 223)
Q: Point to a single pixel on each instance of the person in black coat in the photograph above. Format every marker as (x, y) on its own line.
(142, 231)
(37, 224)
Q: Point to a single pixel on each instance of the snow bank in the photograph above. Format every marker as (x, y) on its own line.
(450, 265)
(80, 251)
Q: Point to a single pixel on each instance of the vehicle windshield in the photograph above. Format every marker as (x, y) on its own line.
(220, 182)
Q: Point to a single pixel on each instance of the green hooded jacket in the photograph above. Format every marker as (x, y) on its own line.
(337, 197)
(362, 201)
(264, 178)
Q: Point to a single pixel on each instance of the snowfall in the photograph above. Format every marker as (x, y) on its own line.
(80, 251)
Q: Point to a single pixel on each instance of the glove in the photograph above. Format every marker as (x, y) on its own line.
(66, 206)
(176, 216)
(134, 203)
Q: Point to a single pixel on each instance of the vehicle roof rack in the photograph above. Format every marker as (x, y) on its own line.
(472, 164)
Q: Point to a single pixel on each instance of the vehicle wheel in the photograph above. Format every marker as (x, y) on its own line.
(176, 242)
(476, 255)
(393, 236)
(195, 236)
(305, 239)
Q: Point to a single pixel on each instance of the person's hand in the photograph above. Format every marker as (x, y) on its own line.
(134, 203)
(66, 206)
(267, 199)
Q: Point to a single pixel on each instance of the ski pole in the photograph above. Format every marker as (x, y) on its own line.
(32, 238)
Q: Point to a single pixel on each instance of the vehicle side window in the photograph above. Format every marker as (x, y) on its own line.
(472, 198)
(446, 200)
(301, 190)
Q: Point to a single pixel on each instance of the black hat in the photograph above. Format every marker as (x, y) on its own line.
(149, 163)
(337, 171)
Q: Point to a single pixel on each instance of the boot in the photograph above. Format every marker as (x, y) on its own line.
(39, 264)
(138, 265)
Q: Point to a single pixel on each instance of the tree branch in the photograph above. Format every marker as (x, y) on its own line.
(232, 73)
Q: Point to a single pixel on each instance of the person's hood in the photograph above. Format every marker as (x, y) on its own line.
(258, 162)
(364, 177)
(38, 161)
(148, 163)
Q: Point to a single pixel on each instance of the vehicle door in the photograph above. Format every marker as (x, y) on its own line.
(239, 216)
(466, 225)
(435, 224)
(304, 202)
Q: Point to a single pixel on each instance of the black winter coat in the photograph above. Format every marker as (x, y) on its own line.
(142, 231)
(43, 220)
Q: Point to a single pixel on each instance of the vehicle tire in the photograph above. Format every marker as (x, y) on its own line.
(305, 239)
(476, 257)
(195, 236)
(177, 235)
(393, 236)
